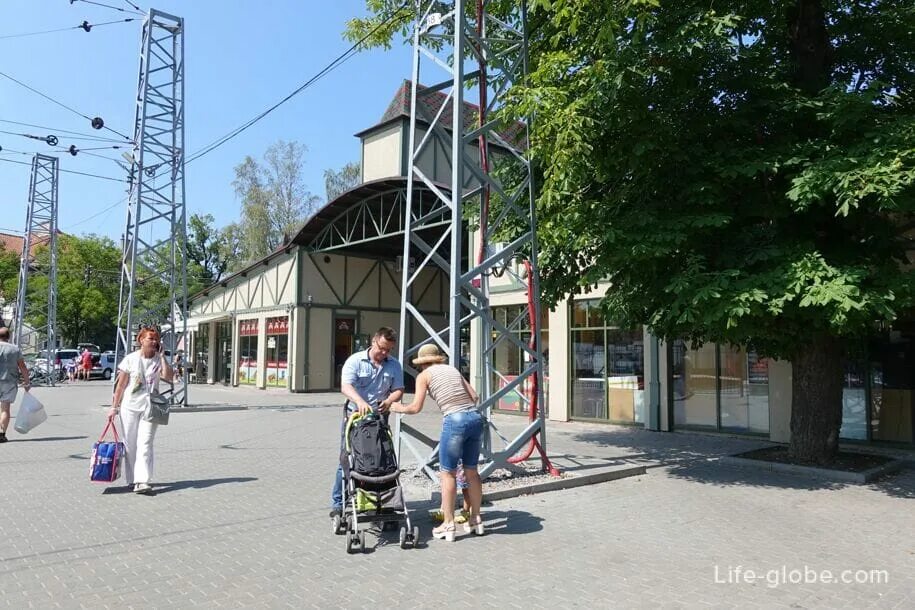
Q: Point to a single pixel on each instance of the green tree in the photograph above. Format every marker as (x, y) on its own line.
(741, 172)
(207, 257)
(88, 285)
(9, 277)
(275, 200)
(337, 182)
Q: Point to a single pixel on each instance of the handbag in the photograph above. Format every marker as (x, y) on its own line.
(107, 456)
(157, 406)
(31, 413)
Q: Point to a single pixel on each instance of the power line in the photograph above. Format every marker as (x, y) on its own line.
(133, 5)
(62, 105)
(340, 60)
(97, 214)
(85, 25)
(68, 171)
(83, 136)
(123, 10)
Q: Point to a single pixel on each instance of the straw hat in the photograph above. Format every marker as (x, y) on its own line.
(429, 354)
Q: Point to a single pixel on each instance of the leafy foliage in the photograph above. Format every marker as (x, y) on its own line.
(338, 182)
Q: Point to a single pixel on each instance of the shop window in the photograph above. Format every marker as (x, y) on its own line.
(247, 348)
(277, 351)
(608, 367)
(509, 360)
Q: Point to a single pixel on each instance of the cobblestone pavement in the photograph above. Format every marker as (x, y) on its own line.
(240, 520)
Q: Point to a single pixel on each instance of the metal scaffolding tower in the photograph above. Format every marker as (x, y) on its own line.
(153, 267)
(473, 51)
(36, 318)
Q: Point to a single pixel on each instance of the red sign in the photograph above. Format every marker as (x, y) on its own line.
(278, 326)
(247, 328)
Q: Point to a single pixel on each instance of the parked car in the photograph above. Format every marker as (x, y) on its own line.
(62, 357)
(103, 365)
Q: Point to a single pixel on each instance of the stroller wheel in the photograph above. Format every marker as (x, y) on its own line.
(362, 542)
(337, 522)
(403, 538)
(350, 538)
(415, 536)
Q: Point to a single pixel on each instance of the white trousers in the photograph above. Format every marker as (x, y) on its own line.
(138, 437)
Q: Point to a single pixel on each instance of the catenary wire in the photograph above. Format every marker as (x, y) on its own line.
(342, 58)
(68, 171)
(122, 10)
(75, 27)
(62, 105)
(83, 136)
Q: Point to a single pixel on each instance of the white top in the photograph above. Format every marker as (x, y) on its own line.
(137, 391)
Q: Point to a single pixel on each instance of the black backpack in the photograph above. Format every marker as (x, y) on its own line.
(371, 447)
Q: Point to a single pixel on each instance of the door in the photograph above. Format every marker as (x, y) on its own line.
(344, 345)
(223, 373)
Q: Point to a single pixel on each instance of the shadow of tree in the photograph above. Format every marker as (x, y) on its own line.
(695, 457)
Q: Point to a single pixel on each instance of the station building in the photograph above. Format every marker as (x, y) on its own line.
(292, 318)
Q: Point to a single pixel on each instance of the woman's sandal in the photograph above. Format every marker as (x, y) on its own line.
(444, 532)
(472, 527)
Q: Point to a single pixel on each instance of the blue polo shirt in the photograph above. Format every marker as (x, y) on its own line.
(373, 384)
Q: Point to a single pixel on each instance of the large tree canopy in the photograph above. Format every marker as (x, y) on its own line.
(738, 171)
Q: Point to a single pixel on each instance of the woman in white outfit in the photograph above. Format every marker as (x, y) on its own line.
(130, 395)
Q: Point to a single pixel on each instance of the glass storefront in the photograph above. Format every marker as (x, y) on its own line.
(509, 359)
(719, 387)
(223, 371)
(247, 352)
(277, 351)
(201, 353)
(608, 368)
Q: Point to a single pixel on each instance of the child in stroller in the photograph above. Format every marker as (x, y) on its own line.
(371, 483)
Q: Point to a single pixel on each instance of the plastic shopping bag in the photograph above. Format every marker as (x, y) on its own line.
(31, 413)
(107, 456)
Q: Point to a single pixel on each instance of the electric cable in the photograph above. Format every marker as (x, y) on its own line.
(62, 105)
(97, 214)
(122, 10)
(85, 25)
(82, 136)
(68, 171)
(340, 60)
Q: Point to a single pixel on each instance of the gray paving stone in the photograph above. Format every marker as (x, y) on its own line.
(241, 521)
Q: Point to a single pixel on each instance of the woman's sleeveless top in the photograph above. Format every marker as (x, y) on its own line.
(447, 389)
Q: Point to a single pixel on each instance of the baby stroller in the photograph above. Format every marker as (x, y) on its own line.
(371, 483)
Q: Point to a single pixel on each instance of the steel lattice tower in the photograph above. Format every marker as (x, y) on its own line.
(153, 267)
(40, 230)
(473, 50)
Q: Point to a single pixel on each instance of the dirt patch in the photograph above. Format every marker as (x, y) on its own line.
(845, 461)
(520, 475)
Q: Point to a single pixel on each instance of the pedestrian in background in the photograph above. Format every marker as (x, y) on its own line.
(138, 374)
(11, 366)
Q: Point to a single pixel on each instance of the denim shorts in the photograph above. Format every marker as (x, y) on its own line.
(462, 433)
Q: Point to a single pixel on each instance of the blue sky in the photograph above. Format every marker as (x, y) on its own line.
(241, 57)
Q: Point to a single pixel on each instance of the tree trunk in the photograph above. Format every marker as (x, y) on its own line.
(816, 400)
(810, 46)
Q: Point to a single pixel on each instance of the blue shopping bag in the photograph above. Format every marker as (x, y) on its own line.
(105, 466)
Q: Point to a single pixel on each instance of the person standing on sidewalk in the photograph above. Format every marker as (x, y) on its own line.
(371, 379)
(459, 443)
(139, 373)
(11, 366)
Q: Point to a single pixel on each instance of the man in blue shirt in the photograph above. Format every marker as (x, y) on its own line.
(371, 380)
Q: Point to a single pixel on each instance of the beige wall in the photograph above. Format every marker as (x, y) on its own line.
(320, 349)
(381, 154)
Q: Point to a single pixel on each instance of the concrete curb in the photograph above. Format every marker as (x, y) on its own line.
(601, 476)
(865, 476)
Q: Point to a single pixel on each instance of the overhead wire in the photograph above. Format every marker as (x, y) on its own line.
(85, 25)
(340, 60)
(123, 10)
(82, 136)
(61, 104)
(68, 171)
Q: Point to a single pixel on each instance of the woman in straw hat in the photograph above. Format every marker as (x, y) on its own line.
(462, 432)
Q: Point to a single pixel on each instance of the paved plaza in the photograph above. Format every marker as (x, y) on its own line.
(240, 520)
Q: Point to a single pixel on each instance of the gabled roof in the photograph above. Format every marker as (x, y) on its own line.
(13, 243)
(430, 103)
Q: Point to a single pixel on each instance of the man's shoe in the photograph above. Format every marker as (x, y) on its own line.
(143, 489)
(2, 437)
(336, 512)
